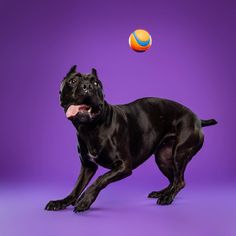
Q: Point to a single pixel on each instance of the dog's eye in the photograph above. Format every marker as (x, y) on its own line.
(95, 83)
(72, 81)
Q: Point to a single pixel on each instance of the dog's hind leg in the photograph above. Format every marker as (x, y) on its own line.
(164, 160)
(179, 164)
(190, 141)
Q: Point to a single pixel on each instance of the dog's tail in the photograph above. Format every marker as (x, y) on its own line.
(208, 122)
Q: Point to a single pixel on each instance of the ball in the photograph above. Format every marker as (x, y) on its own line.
(140, 40)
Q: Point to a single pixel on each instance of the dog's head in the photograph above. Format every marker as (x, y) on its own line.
(81, 96)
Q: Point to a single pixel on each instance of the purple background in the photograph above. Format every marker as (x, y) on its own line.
(192, 61)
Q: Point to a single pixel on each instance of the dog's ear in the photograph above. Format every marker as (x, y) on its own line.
(72, 70)
(94, 72)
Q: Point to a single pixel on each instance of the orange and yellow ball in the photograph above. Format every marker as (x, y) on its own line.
(140, 40)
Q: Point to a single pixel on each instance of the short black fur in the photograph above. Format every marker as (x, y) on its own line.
(122, 137)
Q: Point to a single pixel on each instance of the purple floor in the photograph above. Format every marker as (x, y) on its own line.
(198, 210)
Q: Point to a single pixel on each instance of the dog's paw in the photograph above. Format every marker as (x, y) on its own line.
(56, 205)
(165, 199)
(155, 194)
(82, 205)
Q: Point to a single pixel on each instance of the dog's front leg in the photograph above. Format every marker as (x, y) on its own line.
(120, 171)
(86, 174)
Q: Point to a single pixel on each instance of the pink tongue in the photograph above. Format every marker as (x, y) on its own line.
(72, 111)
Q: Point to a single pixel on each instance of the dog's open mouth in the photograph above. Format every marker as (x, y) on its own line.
(82, 109)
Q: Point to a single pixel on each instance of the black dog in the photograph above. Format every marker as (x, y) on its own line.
(122, 137)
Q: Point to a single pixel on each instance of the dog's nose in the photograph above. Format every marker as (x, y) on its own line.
(87, 87)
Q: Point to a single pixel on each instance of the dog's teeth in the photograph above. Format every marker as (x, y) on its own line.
(90, 109)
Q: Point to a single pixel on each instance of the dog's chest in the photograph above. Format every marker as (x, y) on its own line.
(92, 157)
(102, 154)
(99, 149)
(93, 150)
